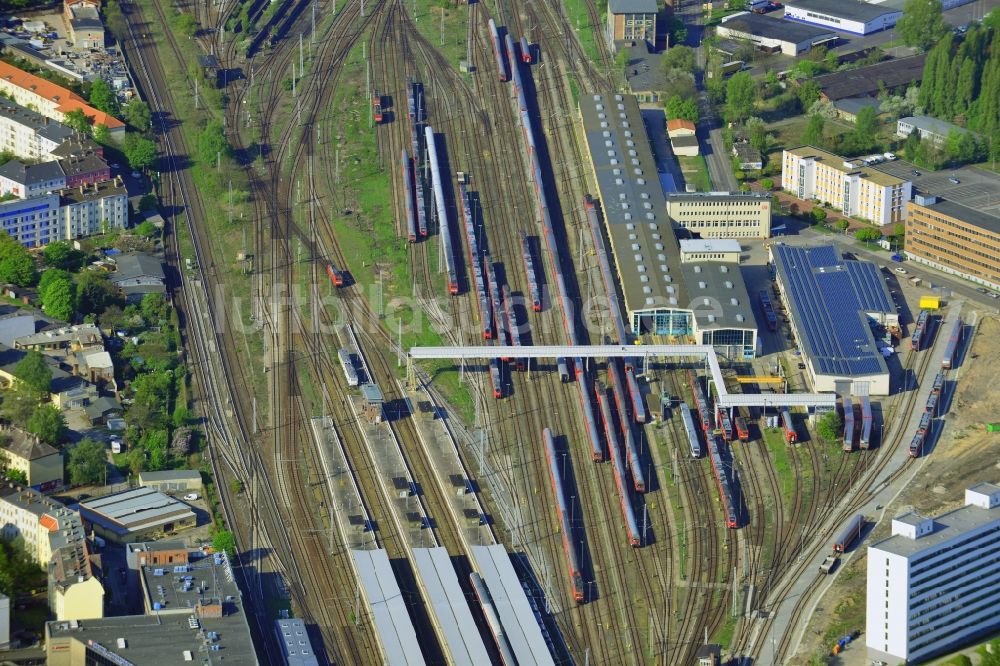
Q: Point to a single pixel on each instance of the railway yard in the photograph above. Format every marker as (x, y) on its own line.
(398, 202)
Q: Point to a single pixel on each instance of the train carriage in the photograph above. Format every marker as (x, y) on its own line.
(866, 422)
(742, 430)
(951, 348)
(525, 51)
(496, 379)
(529, 270)
(789, 426)
(635, 393)
(689, 428)
(848, 439)
(849, 534)
(408, 201)
(723, 482)
(347, 366)
(336, 276)
(498, 52)
(919, 331)
(555, 475)
(614, 450)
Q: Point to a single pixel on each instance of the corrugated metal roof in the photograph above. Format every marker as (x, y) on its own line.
(632, 6)
(392, 622)
(445, 599)
(134, 509)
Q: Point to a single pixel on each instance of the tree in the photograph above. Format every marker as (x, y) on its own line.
(841, 225)
(676, 30)
(137, 115)
(236, 486)
(224, 542)
(186, 24)
(16, 475)
(865, 134)
(154, 443)
(814, 130)
(103, 98)
(95, 293)
(808, 92)
(682, 108)
(34, 374)
(16, 264)
(678, 57)
(145, 229)
(921, 24)
(59, 299)
(767, 184)
(212, 143)
(77, 120)
(102, 134)
(62, 255)
(818, 214)
(680, 83)
(867, 234)
(830, 426)
(154, 308)
(759, 138)
(139, 151)
(48, 424)
(741, 94)
(87, 463)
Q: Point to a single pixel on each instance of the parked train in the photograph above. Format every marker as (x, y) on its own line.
(513, 328)
(498, 52)
(789, 426)
(408, 202)
(866, 422)
(768, 309)
(496, 378)
(525, 51)
(529, 270)
(476, 260)
(849, 534)
(700, 403)
(336, 276)
(614, 450)
(725, 424)
(639, 411)
(920, 331)
(742, 430)
(416, 114)
(631, 450)
(951, 348)
(689, 428)
(442, 210)
(920, 436)
(347, 365)
(492, 618)
(848, 424)
(723, 481)
(377, 107)
(555, 474)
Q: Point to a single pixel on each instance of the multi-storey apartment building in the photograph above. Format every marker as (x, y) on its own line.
(67, 214)
(29, 134)
(935, 583)
(954, 239)
(850, 185)
(722, 214)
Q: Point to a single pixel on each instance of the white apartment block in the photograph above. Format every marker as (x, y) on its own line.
(32, 222)
(23, 514)
(849, 185)
(934, 585)
(29, 134)
(722, 214)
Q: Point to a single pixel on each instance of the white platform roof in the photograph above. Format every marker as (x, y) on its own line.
(392, 623)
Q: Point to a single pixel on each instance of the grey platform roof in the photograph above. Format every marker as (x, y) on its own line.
(516, 615)
(828, 298)
(761, 25)
(632, 6)
(719, 296)
(645, 249)
(947, 526)
(852, 10)
(463, 644)
(392, 622)
(136, 509)
(295, 642)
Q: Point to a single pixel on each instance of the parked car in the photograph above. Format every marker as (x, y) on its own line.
(915, 172)
(191, 497)
(900, 270)
(953, 180)
(982, 290)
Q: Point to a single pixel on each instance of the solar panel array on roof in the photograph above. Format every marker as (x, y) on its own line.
(392, 622)
(516, 616)
(463, 643)
(827, 299)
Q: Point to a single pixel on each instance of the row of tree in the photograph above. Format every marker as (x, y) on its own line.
(961, 82)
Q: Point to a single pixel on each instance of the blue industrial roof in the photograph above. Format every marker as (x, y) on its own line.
(829, 299)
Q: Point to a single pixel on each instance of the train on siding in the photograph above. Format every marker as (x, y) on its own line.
(951, 348)
(865, 440)
(689, 428)
(555, 474)
(408, 201)
(789, 426)
(442, 211)
(920, 331)
(848, 439)
(347, 365)
(529, 271)
(723, 481)
(337, 276)
(614, 451)
(849, 534)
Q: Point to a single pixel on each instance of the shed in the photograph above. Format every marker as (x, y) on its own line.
(172, 481)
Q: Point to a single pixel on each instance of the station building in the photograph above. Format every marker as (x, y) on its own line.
(833, 305)
(722, 214)
(853, 16)
(848, 185)
(687, 302)
(769, 33)
(632, 20)
(934, 585)
(954, 239)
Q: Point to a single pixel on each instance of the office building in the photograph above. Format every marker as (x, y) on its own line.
(934, 585)
(848, 185)
(722, 214)
(832, 305)
(954, 239)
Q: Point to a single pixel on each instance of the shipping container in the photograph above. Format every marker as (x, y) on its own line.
(930, 302)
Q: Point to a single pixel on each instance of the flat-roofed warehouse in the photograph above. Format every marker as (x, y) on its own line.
(832, 306)
(791, 38)
(859, 18)
(136, 514)
(645, 251)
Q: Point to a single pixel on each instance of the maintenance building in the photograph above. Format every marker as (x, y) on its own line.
(774, 33)
(954, 239)
(934, 585)
(632, 20)
(722, 214)
(858, 18)
(833, 305)
(659, 298)
(134, 515)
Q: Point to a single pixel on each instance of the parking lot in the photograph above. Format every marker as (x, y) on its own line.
(975, 188)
